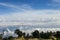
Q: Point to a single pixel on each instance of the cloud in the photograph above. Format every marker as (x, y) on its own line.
(58, 1)
(22, 7)
(8, 5)
(55, 4)
(29, 16)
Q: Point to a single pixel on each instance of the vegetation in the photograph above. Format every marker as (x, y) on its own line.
(18, 32)
(34, 35)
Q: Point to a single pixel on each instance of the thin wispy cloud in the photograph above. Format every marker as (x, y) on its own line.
(8, 5)
(13, 6)
(58, 1)
(55, 4)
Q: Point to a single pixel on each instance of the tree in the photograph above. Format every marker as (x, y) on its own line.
(5, 38)
(45, 35)
(27, 36)
(36, 34)
(18, 32)
(57, 34)
(24, 34)
(10, 38)
(0, 36)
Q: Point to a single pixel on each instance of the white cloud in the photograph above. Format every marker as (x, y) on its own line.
(29, 16)
(22, 7)
(8, 5)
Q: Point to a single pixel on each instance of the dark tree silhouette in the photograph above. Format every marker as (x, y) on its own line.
(0, 36)
(18, 32)
(42, 34)
(57, 34)
(5, 38)
(27, 36)
(10, 38)
(46, 35)
(24, 34)
(36, 34)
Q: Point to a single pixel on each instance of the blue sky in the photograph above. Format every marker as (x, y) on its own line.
(35, 4)
(29, 12)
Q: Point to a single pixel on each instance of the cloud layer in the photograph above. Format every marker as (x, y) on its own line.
(29, 16)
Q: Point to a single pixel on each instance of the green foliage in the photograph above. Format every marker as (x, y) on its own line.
(36, 34)
(10, 38)
(45, 35)
(24, 34)
(0, 36)
(58, 38)
(57, 34)
(5, 38)
(18, 32)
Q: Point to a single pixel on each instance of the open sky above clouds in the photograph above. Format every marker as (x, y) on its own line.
(29, 12)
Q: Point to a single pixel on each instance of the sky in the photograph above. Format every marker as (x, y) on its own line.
(29, 12)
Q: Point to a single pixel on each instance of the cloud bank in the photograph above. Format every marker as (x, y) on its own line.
(29, 16)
